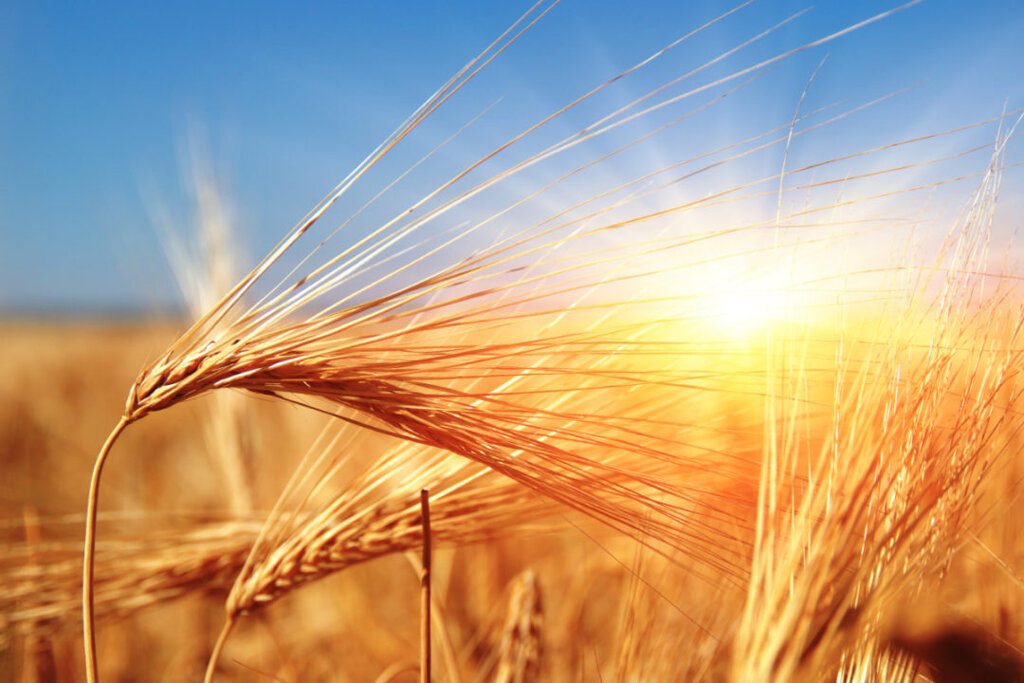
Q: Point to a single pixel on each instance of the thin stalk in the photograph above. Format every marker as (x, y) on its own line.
(425, 591)
(89, 555)
(211, 664)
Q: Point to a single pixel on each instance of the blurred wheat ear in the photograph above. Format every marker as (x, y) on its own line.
(520, 648)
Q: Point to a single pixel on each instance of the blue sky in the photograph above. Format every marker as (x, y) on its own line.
(97, 100)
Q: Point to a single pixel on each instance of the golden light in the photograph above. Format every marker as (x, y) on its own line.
(743, 311)
(749, 305)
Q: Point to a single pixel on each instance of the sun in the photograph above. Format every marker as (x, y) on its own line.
(749, 307)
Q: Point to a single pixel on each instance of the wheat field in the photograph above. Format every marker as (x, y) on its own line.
(682, 409)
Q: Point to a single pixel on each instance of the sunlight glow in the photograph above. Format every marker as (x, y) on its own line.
(750, 306)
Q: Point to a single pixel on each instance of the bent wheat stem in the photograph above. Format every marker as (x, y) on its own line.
(218, 647)
(89, 554)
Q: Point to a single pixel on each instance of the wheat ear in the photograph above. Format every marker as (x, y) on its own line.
(133, 573)
(316, 337)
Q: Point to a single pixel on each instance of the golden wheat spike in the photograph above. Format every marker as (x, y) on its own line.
(41, 582)
(366, 333)
(887, 496)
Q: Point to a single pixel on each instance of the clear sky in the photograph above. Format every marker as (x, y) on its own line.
(97, 100)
